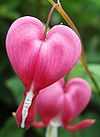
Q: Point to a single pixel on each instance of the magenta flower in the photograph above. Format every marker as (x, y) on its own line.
(39, 61)
(60, 103)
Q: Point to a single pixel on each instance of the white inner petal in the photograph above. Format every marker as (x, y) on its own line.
(56, 122)
(52, 129)
(27, 104)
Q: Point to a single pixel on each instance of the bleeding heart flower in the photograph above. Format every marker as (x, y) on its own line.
(37, 61)
(41, 62)
(60, 103)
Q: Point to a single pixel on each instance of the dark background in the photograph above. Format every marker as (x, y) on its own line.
(86, 16)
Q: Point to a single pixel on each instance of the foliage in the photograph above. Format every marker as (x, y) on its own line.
(85, 14)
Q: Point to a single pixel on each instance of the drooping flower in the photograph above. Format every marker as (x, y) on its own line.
(60, 103)
(39, 62)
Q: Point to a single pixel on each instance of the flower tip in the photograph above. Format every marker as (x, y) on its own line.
(81, 125)
(93, 121)
(14, 114)
(89, 122)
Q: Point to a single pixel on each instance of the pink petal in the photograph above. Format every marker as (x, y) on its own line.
(23, 44)
(39, 124)
(81, 125)
(37, 62)
(59, 53)
(40, 63)
(49, 102)
(30, 118)
(77, 97)
(66, 102)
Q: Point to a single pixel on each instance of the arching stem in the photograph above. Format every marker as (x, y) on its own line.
(49, 18)
(71, 24)
(65, 16)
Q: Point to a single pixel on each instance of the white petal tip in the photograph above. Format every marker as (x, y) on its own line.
(22, 125)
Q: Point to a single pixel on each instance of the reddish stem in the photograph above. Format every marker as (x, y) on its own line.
(48, 20)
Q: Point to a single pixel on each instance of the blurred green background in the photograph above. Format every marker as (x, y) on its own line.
(86, 16)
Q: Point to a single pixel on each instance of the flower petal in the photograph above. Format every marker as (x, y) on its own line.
(49, 102)
(59, 53)
(39, 62)
(77, 97)
(30, 118)
(38, 124)
(23, 44)
(81, 125)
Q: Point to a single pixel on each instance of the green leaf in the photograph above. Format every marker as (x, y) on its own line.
(79, 71)
(11, 130)
(63, 133)
(91, 131)
(10, 4)
(16, 87)
(95, 68)
(10, 14)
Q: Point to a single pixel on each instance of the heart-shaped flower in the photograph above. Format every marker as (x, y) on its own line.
(60, 103)
(37, 61)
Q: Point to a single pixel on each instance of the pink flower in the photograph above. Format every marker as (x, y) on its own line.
(39, 62)
(60, 103)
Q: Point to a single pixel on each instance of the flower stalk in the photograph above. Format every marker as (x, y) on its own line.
(71, 24)
(48, 19)
(51, 131)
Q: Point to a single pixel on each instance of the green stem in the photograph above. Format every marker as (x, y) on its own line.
(71, 24)
(51, 131)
